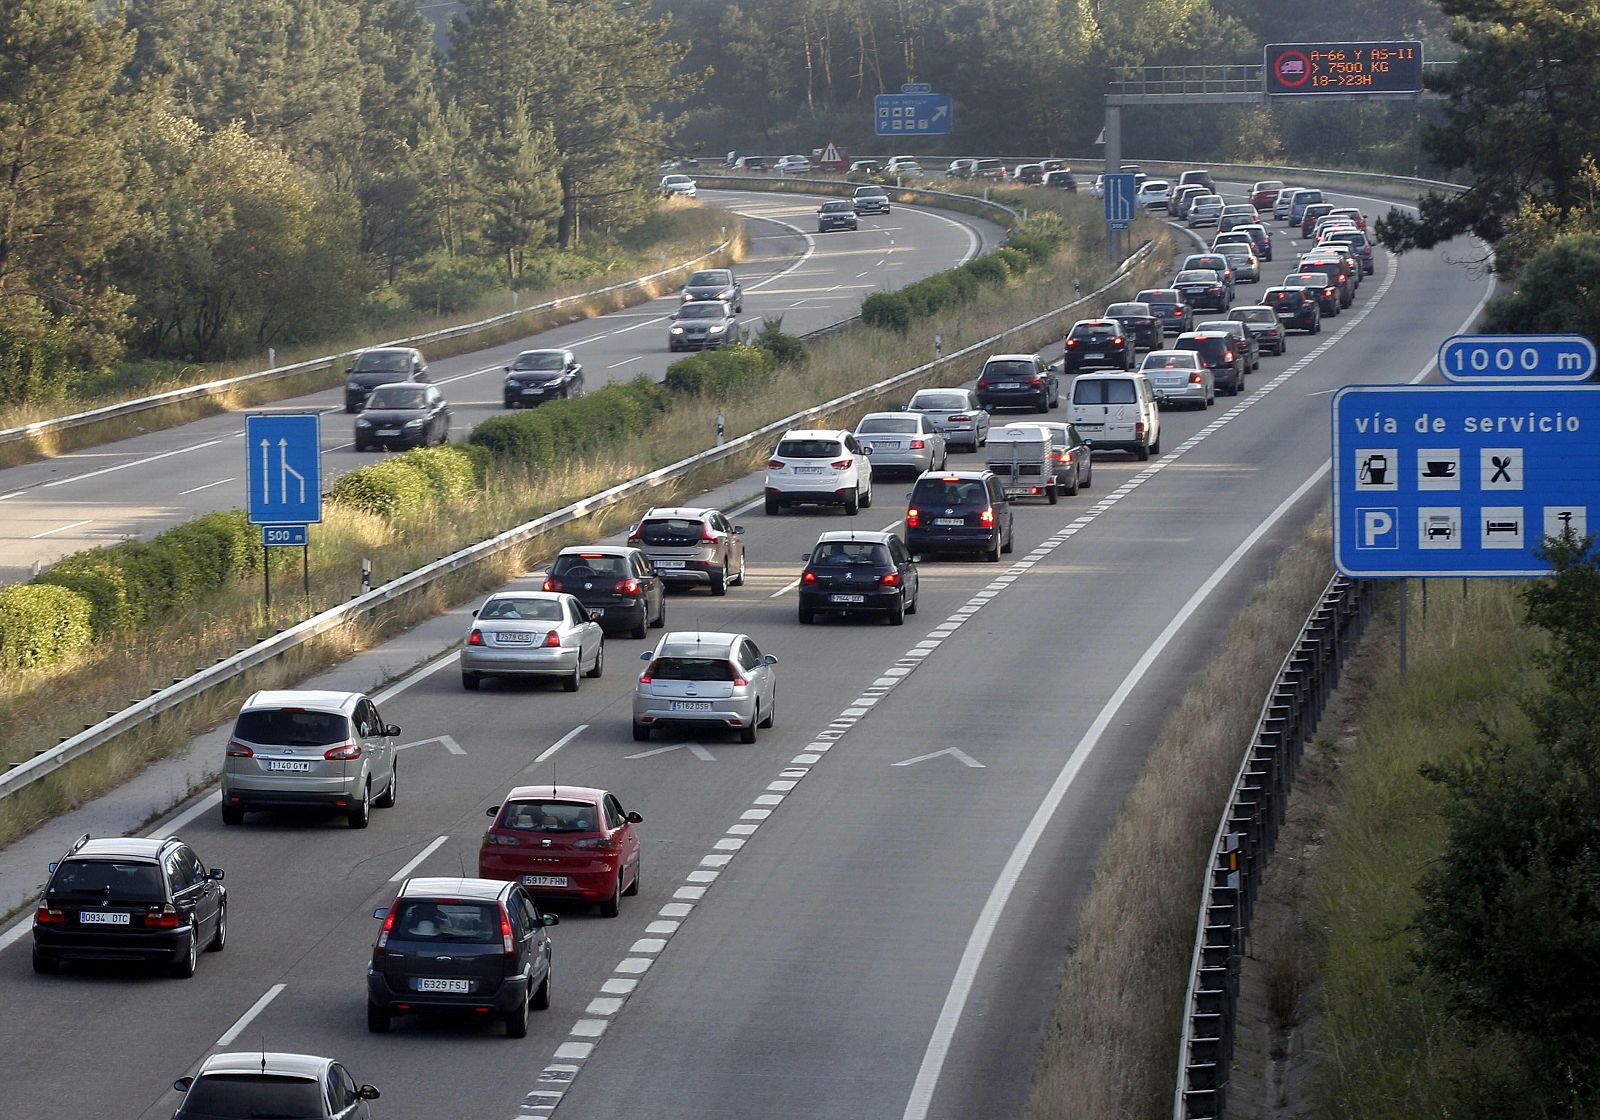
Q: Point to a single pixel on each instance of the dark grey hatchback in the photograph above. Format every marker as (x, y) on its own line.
(473, 947)
(959, 511)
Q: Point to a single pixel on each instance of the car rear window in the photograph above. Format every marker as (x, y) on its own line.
(1207, 346)
(550, 815)
(1288, 299)
(1162, 295)
(112, 878)
(850, 554)
(1008, 369)
(691, 669)
(1096, 333)
(384, 362)
(1111, 390)
(1185, 360)
(956, 401)
(292, 727)
(670, 530)
(1253, 314)
(1129, 309)
(242, 1096)
(1197, 276)
(810, 449)
(600, 565)
(950, 492)
(533, 610)
(459, 921)
(874, 425)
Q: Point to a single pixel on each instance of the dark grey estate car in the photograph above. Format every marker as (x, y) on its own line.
(715, 284)
(702, 326)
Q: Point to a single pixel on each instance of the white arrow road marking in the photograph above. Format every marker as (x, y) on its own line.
(693, 748)
(963, 756)
(449, 744)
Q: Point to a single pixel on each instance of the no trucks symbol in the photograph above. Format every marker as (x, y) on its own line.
(1292, 68)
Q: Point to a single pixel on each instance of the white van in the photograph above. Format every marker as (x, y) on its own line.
(1117, 411)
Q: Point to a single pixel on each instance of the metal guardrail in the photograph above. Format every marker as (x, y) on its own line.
(1248, 833)
(227, 384)
(47, 762)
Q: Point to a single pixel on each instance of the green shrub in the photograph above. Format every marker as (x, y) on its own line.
(1016, 260)
(930, 296)
(723, 374)
(888, 310)
(544, 435)
(786, 349)
(990, 268)
(964, 283)
(452, 472)
(42, 625)
(394, 489)
(99, 579)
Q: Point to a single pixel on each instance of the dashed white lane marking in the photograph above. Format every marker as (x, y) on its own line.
(550, 751)
(61, 528)
(207, 486)
(244, 1020)
(416, 861)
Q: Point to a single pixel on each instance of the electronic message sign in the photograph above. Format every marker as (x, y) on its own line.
(1310, 69)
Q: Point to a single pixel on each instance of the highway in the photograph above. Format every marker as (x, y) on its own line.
(137, 487)
(860, 917)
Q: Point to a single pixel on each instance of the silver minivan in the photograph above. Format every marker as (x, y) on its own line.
(310, 750)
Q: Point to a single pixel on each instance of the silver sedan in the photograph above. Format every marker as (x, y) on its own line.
(532, 634)
(902, 441)
(954, 412)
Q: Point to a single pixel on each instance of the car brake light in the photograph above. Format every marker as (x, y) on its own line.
(738, 681)
(550, 585)
(918, 444)
(808, 577)
(984, 383)
(552, 640)
(987, 516)
(1138, 429)
(165, 918)
(1197, 378)
(601, 843)
(775, 464)
(707, 536)
(1118, 341)
(960, 419)
(1071, 342)
(913, 518)
(1063, 456)
(892, 579)
(841, 464)
(475, 638)
(629, 586)
(1035, 381)
(635, 539)
(1227, 355)
(46, 915)
(508, 944)
(237, 749)
(344, 752)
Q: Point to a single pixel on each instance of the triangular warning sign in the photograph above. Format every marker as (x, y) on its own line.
(830, 154)
(1101, 139)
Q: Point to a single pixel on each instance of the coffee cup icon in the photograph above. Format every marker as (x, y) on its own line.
(1440, 468)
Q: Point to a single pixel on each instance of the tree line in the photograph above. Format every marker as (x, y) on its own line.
(202, 178)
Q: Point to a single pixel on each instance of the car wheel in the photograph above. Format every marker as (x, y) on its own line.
(184, 966)
(852, 503)
(772, 506)
(232, 814)
(643, 628)
(471, 681)
(510, 403)
(739, 581)
(1088, 479)
(661, 618)
(219, 940)
(517, 1019)
(572, 680)
(865, 499)
(1155, 448)
(806, 617)
(719, 582)
(638, 877)
(541, 994)
(897, 613)
(993, 554)
(772, 713)
(378, 1018)
(1072, 491)
(641, 732)
(1043, 405)
(600, 659)
(1051, 494)
(747, 734)
(611, 907)
(1010, 541)
(361, 815)
(43, 965)
(911, 607)
(391, 794)
(1142, 452)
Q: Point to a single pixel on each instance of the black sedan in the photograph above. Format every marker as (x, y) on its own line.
(1098, 344)
(403, 416)
(839, 214)
(536, 376)
(715, 284)
(618, 581)
(1203, 288)
(383, 366)
(1169, 307)
(852, 572)
(1139, 322)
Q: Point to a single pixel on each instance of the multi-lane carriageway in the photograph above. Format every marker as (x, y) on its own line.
(848, 919)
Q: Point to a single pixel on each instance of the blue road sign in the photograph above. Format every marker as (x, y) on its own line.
(1122, 200)
(915, 87)
(1522, 358)
(920, 114)
(1460, 480)
(279, 536)
(283, 469)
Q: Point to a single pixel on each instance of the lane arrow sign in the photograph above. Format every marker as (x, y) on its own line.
(965, 758)
(693, 748)
(941, 112)
(446, 741)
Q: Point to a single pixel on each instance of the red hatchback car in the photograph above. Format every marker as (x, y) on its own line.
(564, 842)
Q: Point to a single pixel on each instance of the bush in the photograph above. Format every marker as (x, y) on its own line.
(453, 284)
(1017, 262)
(786, 349)
(452, 472)
(99, 579)
(990, 268)
(42, 625)
(561, 429)
(930, 296)
(723, 374)
(393, 489)
(888, 310)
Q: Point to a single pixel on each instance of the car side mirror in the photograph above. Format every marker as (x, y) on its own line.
(368, 1092)
(508, 369)
(215, 873)
(646, 655)
(182, 1084)
(549, 919)
(491, 811)
(475, 611)
(595, 616)
(866, 450)
(349, 370)
(768, 659)
(381, 913)
(634, 818)
(738, 530)
(52, 868)
(392, 730)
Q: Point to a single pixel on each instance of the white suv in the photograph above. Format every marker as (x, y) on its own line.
(818, 467)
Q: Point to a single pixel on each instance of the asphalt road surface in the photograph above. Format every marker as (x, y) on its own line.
(861, 916)
(137, 487)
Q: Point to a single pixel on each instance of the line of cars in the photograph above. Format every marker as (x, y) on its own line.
(845, 213)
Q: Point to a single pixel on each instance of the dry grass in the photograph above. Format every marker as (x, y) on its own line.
(1112, 1048)
(696, 230)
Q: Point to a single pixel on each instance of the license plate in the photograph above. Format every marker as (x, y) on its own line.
(544, 880)
(513, 638)
(670, 563)
(104, 918)
(428, 984)
(597, 610)
(1090, 427)
(289, 767)
(808, 470)
(388, 431)
(949, 521)
(848, 598)
(892, 444)
(690, 706)
(1019, 491)
(1009, 385)
(525, 392)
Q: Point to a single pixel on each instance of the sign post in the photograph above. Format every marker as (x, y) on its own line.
(283, 486)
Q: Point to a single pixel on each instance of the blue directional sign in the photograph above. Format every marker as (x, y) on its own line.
(280, 536)
(922, 114)
(1460, 480)
(283, 469)
(1122, 200)
(1523, 358)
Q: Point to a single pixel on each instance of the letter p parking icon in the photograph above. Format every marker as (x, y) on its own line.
(1378, 528)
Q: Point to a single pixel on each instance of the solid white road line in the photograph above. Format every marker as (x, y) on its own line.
(421, 674)
(414, 861)
(61, 528)
(244, 1020)
(211, 801)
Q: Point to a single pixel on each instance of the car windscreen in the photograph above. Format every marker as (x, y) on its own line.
(382, 362)
(700, 311)
(691, 669)
(837, 208)
(109, 878)
(550, 815)
(931, 493)
(871, 192)
(711, 279)
(398, 398)
(875, 425)
(671, 530)
(1111, 390)
(519, 609)
(850, 554)
(942, 401)
(1009, 369)
(244, 1096)
(541, 360)
(291, 727)
(458, 921)
(1252, 314)
(809, 449)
